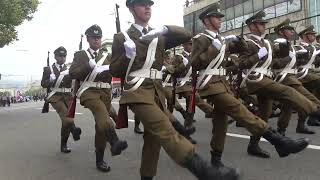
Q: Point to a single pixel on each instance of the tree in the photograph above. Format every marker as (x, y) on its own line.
(12, 14)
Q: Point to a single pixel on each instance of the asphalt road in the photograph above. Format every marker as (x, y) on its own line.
(30, 142)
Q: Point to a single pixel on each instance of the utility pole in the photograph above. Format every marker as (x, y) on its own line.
(117, 19)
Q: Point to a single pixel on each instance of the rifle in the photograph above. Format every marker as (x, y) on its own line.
(192, 103)
(45, 108)
(173, 100)
(239, 77)
(75, 87)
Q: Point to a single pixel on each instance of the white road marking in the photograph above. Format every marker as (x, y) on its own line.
(52, 110)
(315, 147)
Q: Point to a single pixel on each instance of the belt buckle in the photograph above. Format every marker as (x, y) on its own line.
(98, 85)
(153, 73)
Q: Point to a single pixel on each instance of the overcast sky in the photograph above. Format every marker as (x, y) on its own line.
(61, 22)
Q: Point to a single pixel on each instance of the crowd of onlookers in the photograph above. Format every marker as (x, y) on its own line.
(6, 100)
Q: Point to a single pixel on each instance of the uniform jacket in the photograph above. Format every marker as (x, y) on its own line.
(311, 76)
(119, 63)
(80, 69)
(248, 58)
(203, 52)
(281, 60)
(65, 83)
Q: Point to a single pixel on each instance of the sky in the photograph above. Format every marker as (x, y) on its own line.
(61, 23)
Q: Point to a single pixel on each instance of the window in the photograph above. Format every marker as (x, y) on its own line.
(238, 10)
(281, 9)
(294, 5)
(230, 13)
(248, 7)
(258, 5)
(268, 3)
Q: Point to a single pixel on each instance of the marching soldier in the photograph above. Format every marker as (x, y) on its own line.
(285, 61)
(137, 57)
(91, 67)
(209, 50)
(182, 61)
(58, 80)
(258, 60)
(308, 75)
(170, 70)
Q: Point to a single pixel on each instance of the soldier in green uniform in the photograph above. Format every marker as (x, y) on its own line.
(57, 78)
(91, 67)
(208, 53)
(170, 71)
(137, 57)
(184, 85)
(307, 75)
(257, 59)
(285, 68)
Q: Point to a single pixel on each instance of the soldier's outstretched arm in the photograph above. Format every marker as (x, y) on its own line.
(179, 66)
(250, 57)
(175, 36)
(80, 68)
(202, 52)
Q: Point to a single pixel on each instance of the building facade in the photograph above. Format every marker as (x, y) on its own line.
(237, 11)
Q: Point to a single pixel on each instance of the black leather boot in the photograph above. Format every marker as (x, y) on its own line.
(146, 178)
(314, 119)
(255, 150)
(302, 128)
(181, 130)
(188, 121)
(216, 159)
(100, 163)
(75, 131)
(285, 145)
(282, 131)
(117, 146)
(204, 171)
(137, 129)
(63, 147)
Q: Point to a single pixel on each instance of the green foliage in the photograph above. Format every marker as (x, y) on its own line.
(34, 91)
(12, 14)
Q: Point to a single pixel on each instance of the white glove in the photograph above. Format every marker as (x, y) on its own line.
(185, 61)
(217, 44)
(231, 38)
(155, 33)
(163, 68)
(130, 48)
(281, 41)
(291, 54)
(301, 51)
(52, 77)
(262, 52)
(65, 72)
(92, 63)
(103, 68)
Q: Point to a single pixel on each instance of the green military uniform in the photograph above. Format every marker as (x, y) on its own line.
(311, 80)
(186, 89)
(217, 89)
(171, 70)
(282, 65)
(95, 94)
(147, 101)
(60, 96)
(266, 88)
